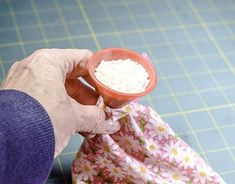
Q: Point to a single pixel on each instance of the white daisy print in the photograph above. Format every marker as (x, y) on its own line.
(115, 172)
(143, 172)
(175, 177)
(103, 161)
(128, 142)
(87, 171)
(108, 147)
(202, 174)
(188, 159)
(159, 130)
(152, 147)
(151, 164)
(172, 151)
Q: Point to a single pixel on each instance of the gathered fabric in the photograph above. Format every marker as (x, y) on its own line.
(144, 151)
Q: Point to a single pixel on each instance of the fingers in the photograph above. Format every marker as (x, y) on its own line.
(92, 119)
(71, 62)
(80, 92)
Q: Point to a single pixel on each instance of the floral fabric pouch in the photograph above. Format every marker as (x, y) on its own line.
(145, 150)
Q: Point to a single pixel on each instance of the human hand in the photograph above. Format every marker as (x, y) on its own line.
(51, 77)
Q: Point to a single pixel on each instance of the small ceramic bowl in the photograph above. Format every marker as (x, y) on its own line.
(111, 97)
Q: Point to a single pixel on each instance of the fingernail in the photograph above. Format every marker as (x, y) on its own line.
(113, 126)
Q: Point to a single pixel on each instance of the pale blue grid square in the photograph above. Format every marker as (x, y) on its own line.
(85, 43)
(30, 48)
(2, 75)
(205, 48)
(102, 26)
(227, 14)
(233, 152)
(226, 78)
(26, 19)
(108, 41)
(201, 5)
(187, 18)
(189, 101)
(145, 22)
(161, 89)
(210, 16)
(180, 6)
(124, 25)
(227, 44)
(9, 53)
(20, 5)
(218, 4)
(230, 94)
(131, 39)
(219, 31)
(140, 49)
(50, 17)
(229, 135)
(159, 7)
(4, 8)
(197, 33)
(117, 11)
(78, 29)
(8, 36)
(180, 84)
(72, 15)
(190, 139)
(224, 116)
(6, 21)
(42, 4)
(31, 33)
(200, 120)
(170, 68)
(165, 105)
(154, 37)
(177, 123)
(95, 12)
(229, 177)
(168, 20)
(230, 58)
(60, 44)
(144, 101)
(203, 81)
(194, 65)
(138, 9)
(215, 62)
(184, 50)
(163, 52)
(231, 27)
(210, 140)
(90, 3)
(7, 66)
(176, 35)
(213, 98)
(54, 31)
(223, 164)
(67, 3)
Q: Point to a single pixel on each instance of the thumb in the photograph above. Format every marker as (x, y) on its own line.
(92, 119)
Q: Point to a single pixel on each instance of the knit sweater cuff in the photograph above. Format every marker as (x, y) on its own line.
(28, 134)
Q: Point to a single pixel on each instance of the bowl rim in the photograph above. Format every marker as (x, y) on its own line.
(154, 79)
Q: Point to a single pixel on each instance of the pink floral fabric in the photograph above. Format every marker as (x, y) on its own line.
(144, 151)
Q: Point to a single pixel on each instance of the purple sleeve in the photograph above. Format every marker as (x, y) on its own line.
(27, 140)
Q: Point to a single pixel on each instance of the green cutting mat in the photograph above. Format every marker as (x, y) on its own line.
(191, 43)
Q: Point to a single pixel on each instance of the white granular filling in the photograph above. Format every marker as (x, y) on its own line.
(124, 76)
